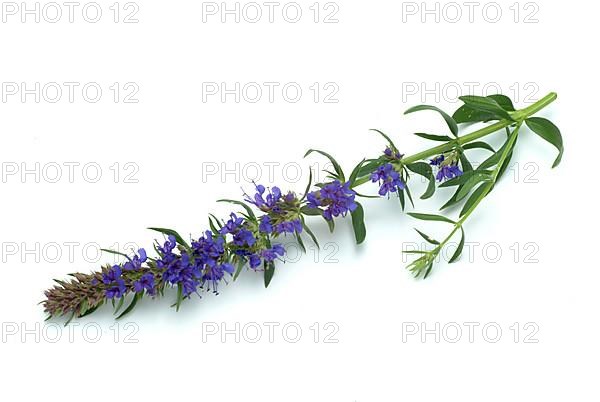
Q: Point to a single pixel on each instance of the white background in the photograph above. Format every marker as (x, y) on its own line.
(376, 55)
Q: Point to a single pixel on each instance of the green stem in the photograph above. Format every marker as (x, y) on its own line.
(519, 116)
(509, 144)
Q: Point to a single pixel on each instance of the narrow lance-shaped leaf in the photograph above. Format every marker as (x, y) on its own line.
(460, 247)
(430, 217)
(548, 131)
(434, 137)
(307, 190)
(114, 252)
(427, 238)
(269, 272)
(358, 223)
(171, 232)
(336, 166)
(485, 104)
(479, 192)
(129, 308)
(449, 120)
(243, 205)
(388, 139)
(504, 102)
(424, 169)
(479, 144)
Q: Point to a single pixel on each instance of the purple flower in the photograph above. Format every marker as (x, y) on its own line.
(388, 178)
(337, 199)
(241, 237)
(232, 225)
(391, 154)
(136, 262)
(281, 211)
(272, 253)
(265, 203)
(447, 167)
(268, 255)
(145, 282)
(265, 225)
(254, 261)
(437, 161)
(116, 291)
(448, 172)
(112, 275)
(289, 227)
(170, 244)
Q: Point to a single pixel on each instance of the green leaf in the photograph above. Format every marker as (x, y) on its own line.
(401, 198)
(243, 205)
(424, 169)
(504, 102)
(466, 114)
(300, 242)
(465, 177)
(388, 139)
(311, 211)
(212, 224)
(548, 131)
(355, 172)
(310, 233)
(358, 223)
(430, 217)
(83, 307)
(119, 305)
(179, 296)
(485, 104)
(115, 252)
(479, 144)
(90, 310)
(449, 120)
(434, 137)
(407, 189)
(269, 272)
(331, 224)
(307, 190)
(470, 183)
(370, 166)
(240, 265)
(474, 197)
(460, 247)
(428, 271)
(137, 297)
(464, 162)
(170, 232)
(427, 238)
(336, 166)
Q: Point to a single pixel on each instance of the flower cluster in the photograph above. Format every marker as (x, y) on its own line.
(447, 167)
(115, 283)
(337, 198)
(281, 211)
(392, 154)
(192, 269)
(388, 178)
